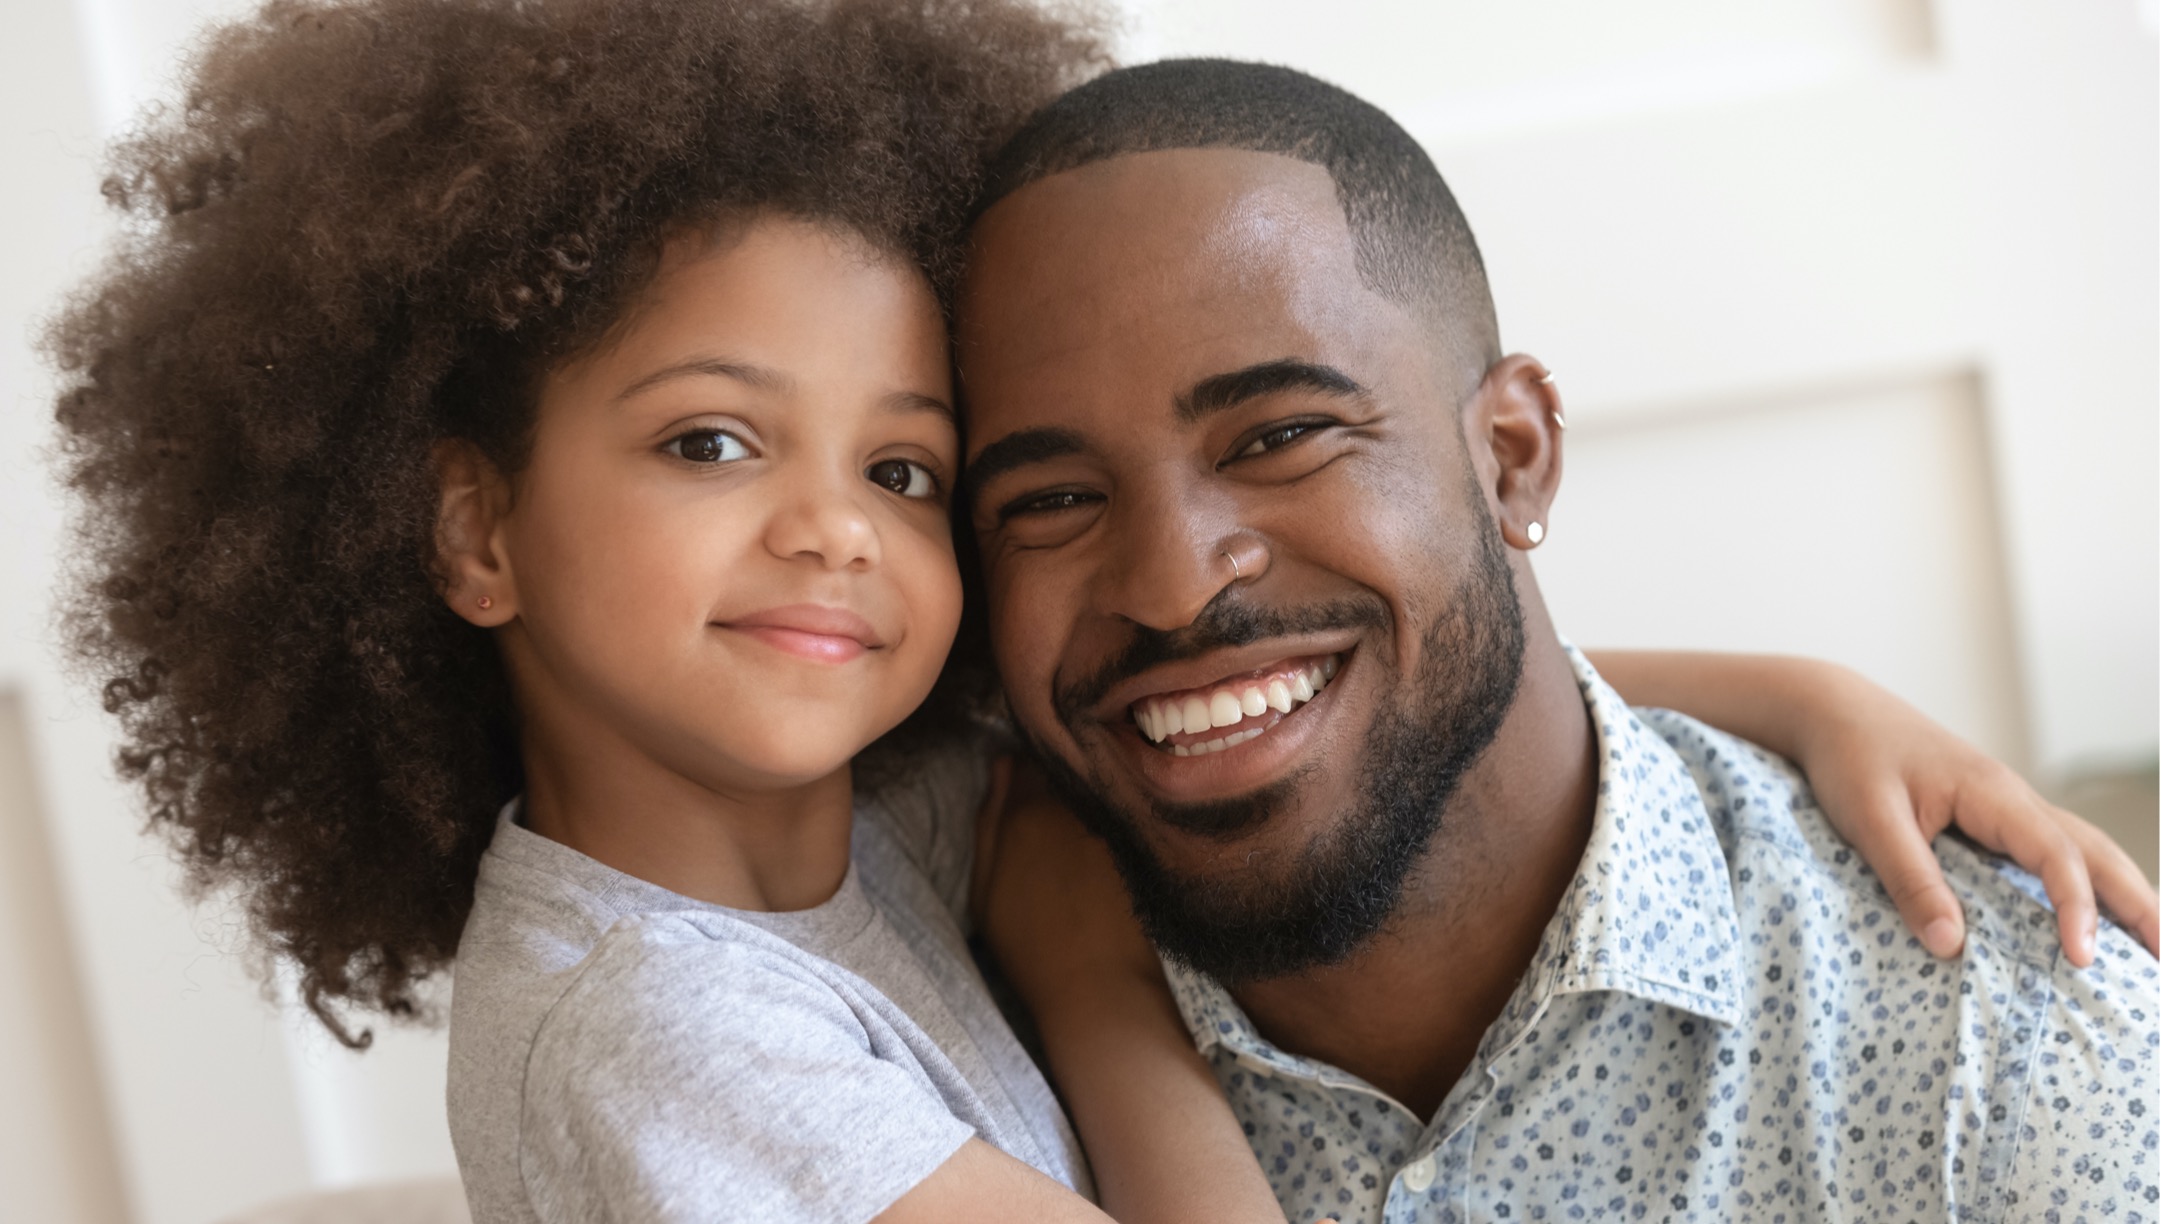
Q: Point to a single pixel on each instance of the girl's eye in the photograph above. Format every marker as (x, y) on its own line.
(905, 478)
(1281, 436)
(707, 446)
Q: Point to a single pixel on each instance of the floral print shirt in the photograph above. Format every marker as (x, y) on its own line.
(1728, 1020)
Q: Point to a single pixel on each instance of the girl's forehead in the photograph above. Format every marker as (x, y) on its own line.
(789, 304)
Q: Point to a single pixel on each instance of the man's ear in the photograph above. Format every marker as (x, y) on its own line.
(1517, 430)
(473, 497)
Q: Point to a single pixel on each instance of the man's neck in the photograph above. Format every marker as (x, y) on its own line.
(1408, 1011)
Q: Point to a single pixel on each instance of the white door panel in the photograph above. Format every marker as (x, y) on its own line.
(1853, 522)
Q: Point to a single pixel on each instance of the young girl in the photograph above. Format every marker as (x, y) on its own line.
(516, 443)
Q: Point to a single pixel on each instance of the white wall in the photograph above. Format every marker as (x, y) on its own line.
(1852, 303)
(189, 1097)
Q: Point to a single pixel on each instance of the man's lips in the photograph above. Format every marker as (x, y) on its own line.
(1210, 669)
(810, 631)
(1231, 711)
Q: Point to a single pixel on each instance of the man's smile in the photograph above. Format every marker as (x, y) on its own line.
(1226, 722)
(1195, 722)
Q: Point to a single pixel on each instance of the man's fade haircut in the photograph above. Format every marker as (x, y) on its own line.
(1410, 239)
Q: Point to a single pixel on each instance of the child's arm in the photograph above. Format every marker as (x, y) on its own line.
(1161, 1139)
(1890, 778)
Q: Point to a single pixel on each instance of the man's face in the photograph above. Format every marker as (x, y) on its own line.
(1246, 594)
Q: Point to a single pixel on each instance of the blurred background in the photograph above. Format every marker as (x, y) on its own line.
(1854, 308)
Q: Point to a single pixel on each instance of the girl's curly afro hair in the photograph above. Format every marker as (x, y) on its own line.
(367, 228)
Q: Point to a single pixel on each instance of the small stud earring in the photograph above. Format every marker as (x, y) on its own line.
(483, 601)
(1534, 532)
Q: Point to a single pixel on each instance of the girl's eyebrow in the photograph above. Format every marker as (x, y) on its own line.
(762, 378)
(915, 401)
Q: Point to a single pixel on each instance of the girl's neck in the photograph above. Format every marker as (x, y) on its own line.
(754, 847)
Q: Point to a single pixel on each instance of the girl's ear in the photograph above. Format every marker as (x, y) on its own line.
(473, 498)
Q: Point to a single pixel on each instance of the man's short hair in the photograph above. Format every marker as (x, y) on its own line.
(1410, 240)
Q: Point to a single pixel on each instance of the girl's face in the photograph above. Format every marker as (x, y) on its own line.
(729, 552)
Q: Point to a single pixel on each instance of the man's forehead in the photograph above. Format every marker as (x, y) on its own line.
(1228, 203)
(1110, 271)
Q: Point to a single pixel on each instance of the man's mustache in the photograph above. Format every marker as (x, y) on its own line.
(1228, 621)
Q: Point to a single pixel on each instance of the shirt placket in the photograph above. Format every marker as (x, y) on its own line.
(1432, 1188)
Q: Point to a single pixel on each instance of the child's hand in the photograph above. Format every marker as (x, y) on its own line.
(1890, 778)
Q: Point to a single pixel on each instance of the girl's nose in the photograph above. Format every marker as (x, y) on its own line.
(827, 522)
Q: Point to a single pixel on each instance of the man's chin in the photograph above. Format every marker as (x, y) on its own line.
(1218, 891)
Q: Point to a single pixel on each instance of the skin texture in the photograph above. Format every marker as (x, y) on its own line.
(670, 730)
(1185, 265)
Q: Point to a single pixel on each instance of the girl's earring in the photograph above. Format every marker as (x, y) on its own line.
(483, 601)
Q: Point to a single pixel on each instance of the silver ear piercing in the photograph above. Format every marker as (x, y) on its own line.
(1534, 532)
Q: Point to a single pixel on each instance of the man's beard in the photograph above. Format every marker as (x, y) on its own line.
(1348, 878)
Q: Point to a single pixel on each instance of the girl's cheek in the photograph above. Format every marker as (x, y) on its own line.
(932, 587)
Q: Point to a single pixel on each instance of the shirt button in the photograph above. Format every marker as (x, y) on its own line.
(1421, 1174)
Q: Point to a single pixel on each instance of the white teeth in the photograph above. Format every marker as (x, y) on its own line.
(1159, 721)
(1206, 747)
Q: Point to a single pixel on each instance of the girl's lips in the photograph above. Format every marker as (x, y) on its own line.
(809, 631)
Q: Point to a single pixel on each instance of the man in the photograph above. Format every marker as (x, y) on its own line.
(1463, 936)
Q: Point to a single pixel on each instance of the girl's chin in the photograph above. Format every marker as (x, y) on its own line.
(790, 765)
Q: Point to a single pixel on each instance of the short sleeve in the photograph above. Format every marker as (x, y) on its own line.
(688, 1078)
(931, 810)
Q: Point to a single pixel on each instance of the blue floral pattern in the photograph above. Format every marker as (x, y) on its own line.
(1728, 1020)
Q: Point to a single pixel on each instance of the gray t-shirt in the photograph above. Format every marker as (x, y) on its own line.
(624, 1053)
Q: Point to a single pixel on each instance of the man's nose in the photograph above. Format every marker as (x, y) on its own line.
(823, 518)
(1171, 553)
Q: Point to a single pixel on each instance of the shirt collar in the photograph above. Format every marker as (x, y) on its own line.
(1650, 911)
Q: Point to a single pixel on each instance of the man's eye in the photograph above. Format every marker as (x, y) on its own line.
(1282, 435)
(905, 478)
(707, 446)
(1053, 502)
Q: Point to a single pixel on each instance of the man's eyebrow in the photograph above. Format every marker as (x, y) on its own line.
(1016, 450)
(762, 378)
(1221, 391)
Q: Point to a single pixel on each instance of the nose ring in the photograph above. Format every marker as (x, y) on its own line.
(1234, 564)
